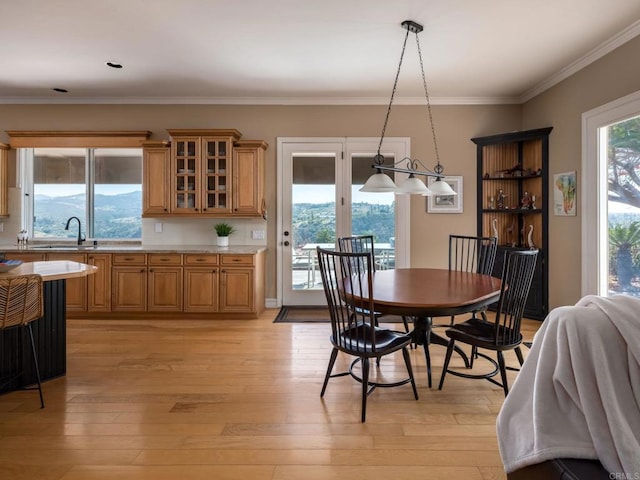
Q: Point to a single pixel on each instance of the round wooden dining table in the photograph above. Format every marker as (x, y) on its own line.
(423, 293)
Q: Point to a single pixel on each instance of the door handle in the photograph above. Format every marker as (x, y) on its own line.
(286, 243)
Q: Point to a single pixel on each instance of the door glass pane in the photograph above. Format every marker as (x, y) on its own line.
(373, 213)
(313, 216)
(623, 171)
(58, 190)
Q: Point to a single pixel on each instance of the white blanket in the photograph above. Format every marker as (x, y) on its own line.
(578, 393)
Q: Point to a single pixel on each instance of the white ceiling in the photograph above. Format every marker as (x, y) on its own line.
(299, 51)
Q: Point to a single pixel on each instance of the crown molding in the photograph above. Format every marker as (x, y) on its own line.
(259, 101)
(600, 51)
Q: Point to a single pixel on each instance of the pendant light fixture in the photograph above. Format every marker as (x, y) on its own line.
(379, 181)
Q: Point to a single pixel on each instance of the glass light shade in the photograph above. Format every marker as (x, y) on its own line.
(414, 186)
(379, 182)
(440, 187)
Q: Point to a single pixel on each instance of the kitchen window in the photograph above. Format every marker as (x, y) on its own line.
(100, 186)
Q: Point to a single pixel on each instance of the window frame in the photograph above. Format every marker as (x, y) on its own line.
(22, 140)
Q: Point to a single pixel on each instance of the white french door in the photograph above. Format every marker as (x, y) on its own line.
(319, 201)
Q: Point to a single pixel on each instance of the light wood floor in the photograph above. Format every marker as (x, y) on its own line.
(240, 400)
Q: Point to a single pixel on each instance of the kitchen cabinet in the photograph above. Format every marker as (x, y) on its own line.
(76, 288)
(4, 180)
(236, 283)
(201, 171)
(156, 168)
(129, 282)
(164, 282)
(99, 284)
(201, 283)
(139, 284)
(248, 178)
(513, 202)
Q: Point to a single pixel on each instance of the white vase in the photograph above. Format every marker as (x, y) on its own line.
(223, 241)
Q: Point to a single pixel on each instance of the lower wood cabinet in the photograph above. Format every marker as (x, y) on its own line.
(76, 287)
(201, 289)
(132, 285)
(99, 283)
(164, 282)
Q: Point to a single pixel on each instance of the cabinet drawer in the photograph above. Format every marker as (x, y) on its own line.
(200, 259)
(236, 260)
(162, 259)
(129, 259)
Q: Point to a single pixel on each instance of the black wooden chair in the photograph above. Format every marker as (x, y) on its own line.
(364, 244)
(21, 302)
(504, 332)
(353, 324)
(471, 254)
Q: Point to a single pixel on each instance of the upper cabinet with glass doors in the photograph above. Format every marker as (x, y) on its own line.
(201, 171)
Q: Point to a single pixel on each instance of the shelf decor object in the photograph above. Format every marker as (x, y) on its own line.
(381, 182)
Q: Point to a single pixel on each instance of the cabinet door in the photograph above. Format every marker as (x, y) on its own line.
(236, 290)
(185, 174)
(216, 175)
(76, 288)
(248, 178)
(4, 180)
(201, 289)
(155, 179)
(129, 287)
(165, 289)
(99, 284)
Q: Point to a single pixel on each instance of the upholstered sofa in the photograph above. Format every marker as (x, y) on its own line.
(562, 469)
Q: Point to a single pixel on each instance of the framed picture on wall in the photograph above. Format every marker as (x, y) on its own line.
(446, 203)
(564, 194)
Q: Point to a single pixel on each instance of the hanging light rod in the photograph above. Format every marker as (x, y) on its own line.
(380, 182)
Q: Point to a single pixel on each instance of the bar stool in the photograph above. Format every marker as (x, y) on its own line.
(21, 302)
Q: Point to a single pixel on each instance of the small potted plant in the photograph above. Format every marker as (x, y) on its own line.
(223, 230)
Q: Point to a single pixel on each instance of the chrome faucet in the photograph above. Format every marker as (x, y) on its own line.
(80, 236)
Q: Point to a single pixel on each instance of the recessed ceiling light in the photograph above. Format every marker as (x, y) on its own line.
(113, 64)
(61, 90)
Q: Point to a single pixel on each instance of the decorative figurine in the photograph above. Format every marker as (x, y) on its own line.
(533, 202)
(492, 203)
(495, 229)
(532, 245)
(500, 199)
(526, 201)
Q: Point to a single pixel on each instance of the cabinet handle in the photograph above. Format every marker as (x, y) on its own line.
(235, 259)
(215, 270)
(164, 259)
(128, 258)
(199, 259)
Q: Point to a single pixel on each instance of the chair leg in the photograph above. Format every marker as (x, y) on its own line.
(503, 372)
(447, 359)
(332, 361)
(427, 356)
(35, 364)
(365, 386)
(474, 355)
(519, 355)
(407, 362)
(406, 323)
